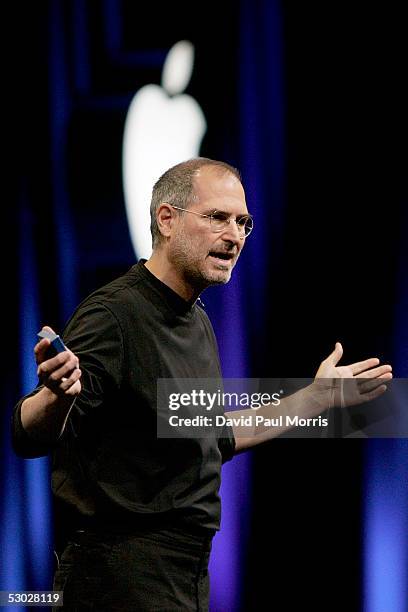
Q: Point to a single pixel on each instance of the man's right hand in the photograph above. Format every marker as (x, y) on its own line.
(60, 374)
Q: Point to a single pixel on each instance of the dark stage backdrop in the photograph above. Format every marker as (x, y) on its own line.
(309, 102)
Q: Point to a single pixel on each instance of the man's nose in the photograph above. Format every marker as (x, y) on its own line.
(232, 234)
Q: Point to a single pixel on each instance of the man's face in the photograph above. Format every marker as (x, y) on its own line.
(201, 256)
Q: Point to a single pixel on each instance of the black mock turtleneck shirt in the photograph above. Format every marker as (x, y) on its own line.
(109, 467)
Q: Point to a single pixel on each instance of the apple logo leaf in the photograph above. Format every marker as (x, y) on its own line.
(178, 67)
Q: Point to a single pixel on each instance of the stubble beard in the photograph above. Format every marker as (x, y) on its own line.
(193, 268)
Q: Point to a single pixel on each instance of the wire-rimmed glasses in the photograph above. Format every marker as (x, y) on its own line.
(219, 221)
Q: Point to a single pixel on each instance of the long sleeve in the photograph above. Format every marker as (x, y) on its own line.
(94, 335)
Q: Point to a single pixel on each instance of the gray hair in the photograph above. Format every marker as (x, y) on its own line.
(176, 186)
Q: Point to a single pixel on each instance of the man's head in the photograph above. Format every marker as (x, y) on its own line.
(176, 186)
(201, 250)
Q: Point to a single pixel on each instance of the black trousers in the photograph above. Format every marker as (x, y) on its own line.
(161, 570)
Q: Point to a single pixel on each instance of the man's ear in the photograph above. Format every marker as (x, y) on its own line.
(165, 219)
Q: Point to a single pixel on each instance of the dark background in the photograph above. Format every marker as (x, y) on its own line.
(331, 219)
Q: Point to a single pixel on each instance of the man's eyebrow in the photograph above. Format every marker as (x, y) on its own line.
(212, 211)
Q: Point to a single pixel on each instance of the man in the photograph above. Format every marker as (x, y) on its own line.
(140, 511)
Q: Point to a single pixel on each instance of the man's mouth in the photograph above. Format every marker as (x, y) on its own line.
(221, 257)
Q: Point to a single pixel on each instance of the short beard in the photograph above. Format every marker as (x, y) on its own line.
(180, 257)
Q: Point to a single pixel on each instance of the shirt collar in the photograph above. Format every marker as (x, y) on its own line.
(175, 301)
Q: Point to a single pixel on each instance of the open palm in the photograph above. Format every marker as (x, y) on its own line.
(352, 384)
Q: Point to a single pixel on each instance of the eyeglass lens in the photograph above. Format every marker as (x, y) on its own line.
(220, 221)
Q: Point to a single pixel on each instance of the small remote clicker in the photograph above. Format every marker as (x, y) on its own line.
(56, 346)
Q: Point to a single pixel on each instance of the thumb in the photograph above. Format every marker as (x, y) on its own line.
(48, 329)
(336, 355)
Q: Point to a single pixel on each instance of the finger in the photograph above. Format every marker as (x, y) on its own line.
(336, 355)
(360, 366)
(66, 383)
(372, 383)
(40, 350)
(58, 366)
(375, 372)
(374, 394)
(62, 374)
(62, 383)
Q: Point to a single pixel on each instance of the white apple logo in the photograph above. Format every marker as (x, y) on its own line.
(162, 128)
